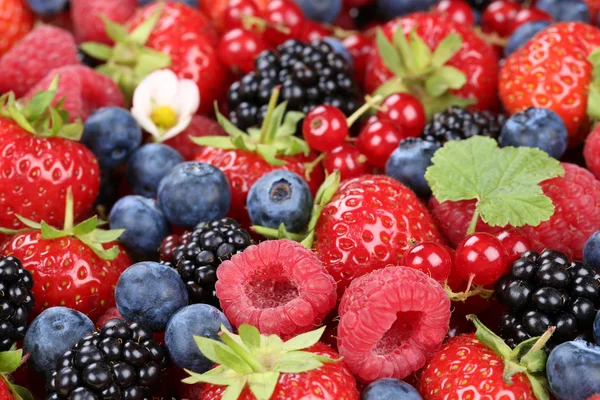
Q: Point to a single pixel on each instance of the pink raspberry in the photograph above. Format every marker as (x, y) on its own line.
(391, 321)
(591, 152)
(278, 286)
(83, 88)
(39, 52)
(87, 17)
(576, 197)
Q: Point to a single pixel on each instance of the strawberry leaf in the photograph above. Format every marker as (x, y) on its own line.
(389, 54)
(142, 32)
(250, 336)
(97, 50)
(21, 393)
(446, 49)
(420, 51)
(304, 340)
(401, 44)
(220, 375)
(218, 142)
(234, 390)
(10, 360)
(262, 385)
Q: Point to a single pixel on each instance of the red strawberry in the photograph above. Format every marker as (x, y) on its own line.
(475, 59)
(552, 71)
(87, 16)
(15, 21)
(200, 126)
(368, 224)
(42, 50)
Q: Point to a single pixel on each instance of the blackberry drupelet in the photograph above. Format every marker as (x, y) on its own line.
(196, 255)
(543, 290)
(16, 301)
(480, 5)
(309, 75)
(121, 361)
(456, 123)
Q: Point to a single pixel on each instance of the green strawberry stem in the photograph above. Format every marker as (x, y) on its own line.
(370, 102)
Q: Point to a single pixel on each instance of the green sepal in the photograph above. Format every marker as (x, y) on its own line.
(421, 52)
(304, 340)
(21, 393)
(10, 360)
(446, 49)
(114, 31)
(98, 51)
(389, 54)
(262, 385)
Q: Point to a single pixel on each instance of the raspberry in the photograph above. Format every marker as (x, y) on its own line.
(30, 60)
(84, 89)
(87, 22)
(391, 321)
(576, 197)
(591, 152)
(278, 286)
(200, 126)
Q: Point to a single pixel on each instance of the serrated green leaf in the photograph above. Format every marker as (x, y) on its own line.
(517, 205)
(143, 31)
(304, 340)
(86, 226)
(49, 232)
(97, 50)
(269, 154)
(10, 360)
(250, 336)
(262, 385)
(446, 49)
(114, 31)
(389, 54)
(420, 50)
(234, 390)
(297, 362)
(218, 142)
(22, 392)
(401, 43)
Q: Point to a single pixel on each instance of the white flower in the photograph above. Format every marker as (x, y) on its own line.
(164, 105)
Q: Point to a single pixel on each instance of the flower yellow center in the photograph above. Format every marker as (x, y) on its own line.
(164, 117)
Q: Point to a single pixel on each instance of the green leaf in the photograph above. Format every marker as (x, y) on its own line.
(230, 359)
(275, 122)
(72, 131)
(57, 121)
(535, 361)
(420, 50)
(304, 340)
(401, 43)
(297, 362)
(105, 254)
(489, 338)
(86, 226)
(114, 31)
(97, 50)
(29, 223)
(49, 232)
(207, 347)
(16, 115)
(435, 85)
(234, 390)
(269, 153)
(593, 102)
(446, 49)
(141, 34)
(288, 128)
(218, 142)
(294, 145)
(454, 77)
(389, 54)
(439, 104)
(250, 336)
(220, 375)
(149, 60)
(10, 360)
(38, 105)
(263, 384)
(22, 392)
(538, 385)
(229, 127)
(390, 87)
(105, 236)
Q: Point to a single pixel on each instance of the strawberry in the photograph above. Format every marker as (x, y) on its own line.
(200, 126)
(482, 366)
(40, 161)
(30, 60)
(553, 71)
(308, 368)
(441, 62)
(88, 15)
(16, 20)
(76, 267)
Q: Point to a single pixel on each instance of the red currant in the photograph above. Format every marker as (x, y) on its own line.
(431, 258)
(498, 15)
(527, 15)
(482, 258)
(236, 10)
(458, 10)
(515, 243)
(348, 160)
(283, 15)
(378, 140)
(325, 128)
(238, 48)
(359, 46)
(404, 110)
(312, 30)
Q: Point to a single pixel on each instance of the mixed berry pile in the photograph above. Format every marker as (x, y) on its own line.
(293, 199)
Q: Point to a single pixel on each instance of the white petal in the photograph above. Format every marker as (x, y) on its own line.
(146, 123)
(187, 100)
(182, 124)
(164, 87)
(142, 101)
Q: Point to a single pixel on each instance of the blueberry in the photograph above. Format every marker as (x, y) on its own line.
(321, 10)
(148, 165)
(591, 251)
(395, 8)
(193, 192)
(536, 127)
(339, 48)
(144, 223)
(280, 197)
(597, 329)
(149, 293)
(195, 320)
(522, 35)
(390, 389)
(47, 7)
(573, 370)
(566, 10)
(112, 134)
(51, 334)
(409, 162)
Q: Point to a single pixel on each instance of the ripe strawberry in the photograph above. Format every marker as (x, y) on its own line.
(552, 71)
(16, 20)
(200, 126)
(368, 224)
(40, 51)
(87, 16)
(475, 59)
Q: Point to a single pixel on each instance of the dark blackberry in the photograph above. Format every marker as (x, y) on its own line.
(309, 74)
(115, 362)
(16, 301)
(480, 5)
(457, 124)
(543, 290)
(196, 255)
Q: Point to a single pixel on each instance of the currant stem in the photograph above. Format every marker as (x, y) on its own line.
(473, 224)
(309, 167)
(249, 21)
(369, 103)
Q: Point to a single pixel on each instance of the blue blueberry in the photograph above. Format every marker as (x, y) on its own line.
(523, 34)
(573, 370)
(339, 48)
(144, 223)
(408, 164)
(395, 8)
(150, 293)
(112, 134)
(390, 389)
(148, 165)
(52, 333)
(566, 10)
(536, 127)
(47, 7)
(591, 251)
(321, 10)
(280, 197)
(195, 320)
(193, 192)
(597, 329)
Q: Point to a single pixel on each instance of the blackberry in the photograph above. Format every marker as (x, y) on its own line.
(16, 301)
(120, 361)
(543, 290)
(196, 255)
(309, 75)
(480, 5)
(456, 123)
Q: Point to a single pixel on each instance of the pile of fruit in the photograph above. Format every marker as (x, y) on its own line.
(299, 199)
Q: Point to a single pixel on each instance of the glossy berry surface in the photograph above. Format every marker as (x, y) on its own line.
(404, 110)
(348, 160)
(515, 243)
(378, 140)
(431, 258)
(325, 128)
(238, 48)
(458, 10)
(284, 14)
(482, 258)
(498, 16)
(16, 301)
(236, 10)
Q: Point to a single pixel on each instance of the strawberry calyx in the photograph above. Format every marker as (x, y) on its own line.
(9, 362)
(129, 61)
(38, 117)
(273, 139)
(593, 100)
(528, 357)
(422, 72)
(87, 231)
(255, 360)
(324, 195)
